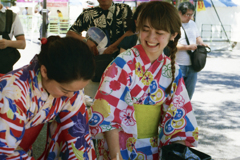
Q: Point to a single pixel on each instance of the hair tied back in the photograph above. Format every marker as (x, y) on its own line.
(44, 40)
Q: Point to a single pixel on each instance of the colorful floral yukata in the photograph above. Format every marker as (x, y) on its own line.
(25, 104)
(131, 80)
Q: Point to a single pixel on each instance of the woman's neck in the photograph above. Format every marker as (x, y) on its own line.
(153, 57)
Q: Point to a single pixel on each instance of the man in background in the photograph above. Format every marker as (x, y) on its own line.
(25, 11)
(111, 19)
(186, 12)
(102, 17)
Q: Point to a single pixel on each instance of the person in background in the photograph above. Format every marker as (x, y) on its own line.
(60, 16)
(102, 17)
(6, 39)
(110, 18)
(186, 12)
(48, 90)
(25, 11)
(142, 103)
(132, 40)
(15, 8)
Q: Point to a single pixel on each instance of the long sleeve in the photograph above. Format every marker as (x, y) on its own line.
(12, 121)
(178, 121)
(113, 102)
(69, 132)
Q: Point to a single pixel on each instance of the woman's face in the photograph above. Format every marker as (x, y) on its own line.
(57, 89)
(153, 41)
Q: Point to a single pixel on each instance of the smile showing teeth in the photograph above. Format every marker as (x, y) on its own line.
(151, 44)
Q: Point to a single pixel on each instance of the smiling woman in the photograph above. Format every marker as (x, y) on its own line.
(142, 103)
(48, 90)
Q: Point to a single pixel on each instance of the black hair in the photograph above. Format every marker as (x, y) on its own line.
(67, 59)
(184, 6)
(131, 22)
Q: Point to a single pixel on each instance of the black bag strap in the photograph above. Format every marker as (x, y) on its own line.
(9, 20)
(188, 51)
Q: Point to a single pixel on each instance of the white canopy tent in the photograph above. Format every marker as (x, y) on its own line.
(219, 24)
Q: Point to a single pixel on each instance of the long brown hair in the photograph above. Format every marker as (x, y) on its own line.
(163, 16)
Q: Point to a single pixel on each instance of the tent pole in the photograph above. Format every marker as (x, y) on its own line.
(195, 4)
(220, 21)
(44, 18)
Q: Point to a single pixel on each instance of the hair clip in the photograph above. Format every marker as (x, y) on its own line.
(44, 40)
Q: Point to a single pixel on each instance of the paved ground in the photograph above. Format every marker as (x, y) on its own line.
(216, 102)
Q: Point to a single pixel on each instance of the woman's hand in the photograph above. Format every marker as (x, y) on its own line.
(112, 138)
(118, 157)
(92, 47)
(192, 47)
(110, 49)
(3, 43)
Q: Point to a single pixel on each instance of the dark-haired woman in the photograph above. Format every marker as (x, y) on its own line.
(48, 90)
(142, 103)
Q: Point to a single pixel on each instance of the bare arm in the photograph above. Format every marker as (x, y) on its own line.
(113, 47)
(112, 138)
(186, 47)
(200, 42)
(90, 43)
(75, 35)
(122, 50)
(19, 43)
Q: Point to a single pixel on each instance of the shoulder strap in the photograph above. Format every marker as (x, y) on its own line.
(9, 20)
(188, 51)
(186, 36)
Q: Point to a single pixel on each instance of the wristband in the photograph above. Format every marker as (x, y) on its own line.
(85, 40)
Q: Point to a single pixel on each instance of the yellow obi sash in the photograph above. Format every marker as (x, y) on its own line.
(147, 118)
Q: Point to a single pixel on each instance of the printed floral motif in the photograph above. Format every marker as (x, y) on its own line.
(100, 144)
(136, 52)
(178, 101)
(131, 143)
(154, 94)
(78, 154)
(195, 133)
(147, 87)
(174, 86)
(128, 99)
(104, 110)
(126, 53)
(106, 127)
(96, 17)
(112, 71)
(115, 85)
(147, 78)
(127, 118)
(96, 119)
(154, 141)
(9, 89)
(138, 70)
(166, 71)
(141, 156)
(24, 101)
(79, 129)
(176, 120)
